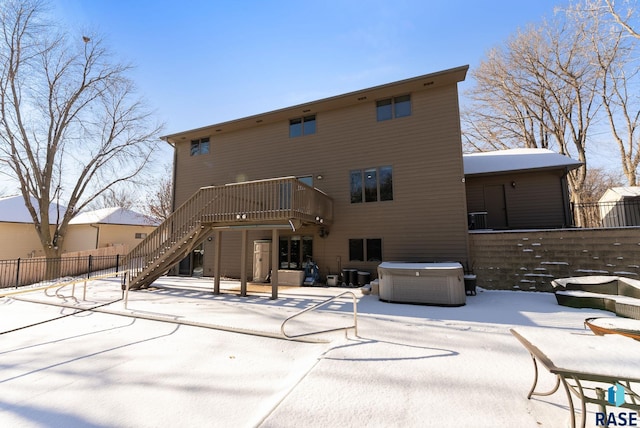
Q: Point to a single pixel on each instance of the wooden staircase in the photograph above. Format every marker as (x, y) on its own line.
(263, 203)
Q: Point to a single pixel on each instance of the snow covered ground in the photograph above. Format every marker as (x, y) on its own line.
(158, 362)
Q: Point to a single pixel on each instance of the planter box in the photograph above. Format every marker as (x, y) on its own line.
(290, 277)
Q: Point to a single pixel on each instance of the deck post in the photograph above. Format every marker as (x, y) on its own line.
(275, 261)
(243, 263)
(217, 236)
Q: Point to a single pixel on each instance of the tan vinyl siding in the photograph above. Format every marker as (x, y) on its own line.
(425, 221)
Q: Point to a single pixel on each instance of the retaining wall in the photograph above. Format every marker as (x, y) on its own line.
(531, 259)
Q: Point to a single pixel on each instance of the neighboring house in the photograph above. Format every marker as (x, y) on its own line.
(379, 177)
(107, 227)
(18, 237)
(518, 189)
(620, 206)
(86, 231)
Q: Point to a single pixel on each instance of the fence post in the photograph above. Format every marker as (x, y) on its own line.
(89, 270)
(117, 263)
(18, 274)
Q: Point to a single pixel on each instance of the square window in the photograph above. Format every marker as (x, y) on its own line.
(393, 107)
(371, 185)
(199, 147)
(302, 126)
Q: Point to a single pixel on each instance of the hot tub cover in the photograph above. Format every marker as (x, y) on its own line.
(420, 265)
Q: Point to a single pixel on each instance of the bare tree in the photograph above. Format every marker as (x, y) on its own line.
(540, 90)
(616, 55)
(121, 197)
(159, 204)
(623, 15)
(71, 127)
(598, 181)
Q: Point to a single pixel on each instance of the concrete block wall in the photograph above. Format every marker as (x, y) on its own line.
(531, 259)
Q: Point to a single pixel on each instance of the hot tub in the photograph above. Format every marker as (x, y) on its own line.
(425, 283)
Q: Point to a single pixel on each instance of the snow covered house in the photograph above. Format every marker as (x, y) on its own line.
(518, 189)
(107, 227)
(18, 238)
(90, 230)
(347, 181)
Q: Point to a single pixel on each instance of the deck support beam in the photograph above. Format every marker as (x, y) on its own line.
(217, 236)
(275, 262)
(243, 263)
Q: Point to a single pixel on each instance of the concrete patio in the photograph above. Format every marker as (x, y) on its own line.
(172, 358)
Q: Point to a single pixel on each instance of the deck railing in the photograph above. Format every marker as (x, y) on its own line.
(264, 202)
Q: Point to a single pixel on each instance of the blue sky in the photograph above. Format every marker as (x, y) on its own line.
(208, 61)
(204, 62)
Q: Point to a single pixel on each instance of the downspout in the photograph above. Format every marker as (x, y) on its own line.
(97, 234)
(174, 270)
(175, 174)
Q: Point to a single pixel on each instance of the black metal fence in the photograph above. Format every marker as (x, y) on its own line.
(607, 214)
(20, 272)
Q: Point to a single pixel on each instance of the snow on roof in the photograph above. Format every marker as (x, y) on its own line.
(14, 210)
(515, 160)
(112, 215)
(618, 193)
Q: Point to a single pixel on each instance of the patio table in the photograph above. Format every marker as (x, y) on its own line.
(576, 358)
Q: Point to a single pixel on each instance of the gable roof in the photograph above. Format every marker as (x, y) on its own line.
(619, 193)
(419, 83)
(14, 210)
(113, 215)
(516, 160)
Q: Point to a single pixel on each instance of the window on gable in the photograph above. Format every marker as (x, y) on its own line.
(200, 147)
(371, 185)
(393, 107)
(302, 126)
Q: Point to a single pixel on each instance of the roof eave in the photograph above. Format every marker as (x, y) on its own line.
(440, 78)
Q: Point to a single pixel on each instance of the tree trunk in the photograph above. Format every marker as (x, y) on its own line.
(53, 268)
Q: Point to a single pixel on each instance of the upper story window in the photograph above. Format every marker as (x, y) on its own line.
(200, 147)
(393, 107)
(371, 185)
(302, 126)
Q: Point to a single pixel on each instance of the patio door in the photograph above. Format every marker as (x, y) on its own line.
(294, 251)
(193, 264)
